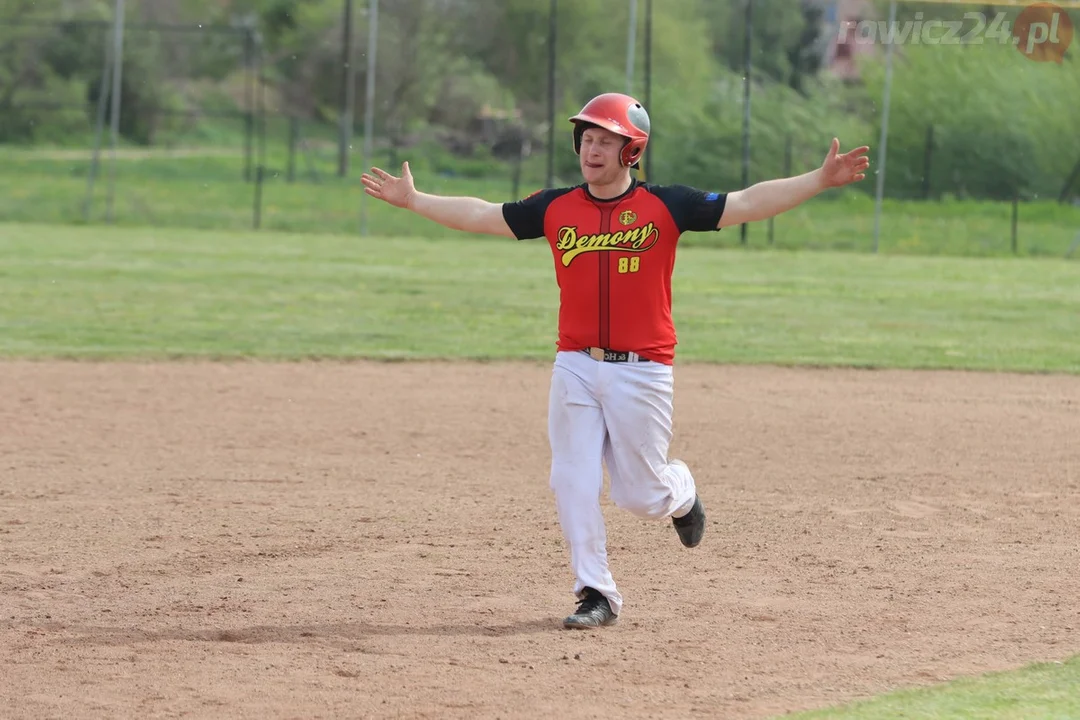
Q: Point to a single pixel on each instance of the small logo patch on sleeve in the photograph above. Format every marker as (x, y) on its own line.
(710, 197)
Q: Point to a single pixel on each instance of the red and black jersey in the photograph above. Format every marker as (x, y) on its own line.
(614, 259)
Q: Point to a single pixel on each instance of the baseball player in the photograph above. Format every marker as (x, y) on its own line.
(613, 241)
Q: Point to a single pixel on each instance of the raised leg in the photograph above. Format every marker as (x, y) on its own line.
(637, 406)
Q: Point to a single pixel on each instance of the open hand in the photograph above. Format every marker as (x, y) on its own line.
(398, 191)
(838, 170)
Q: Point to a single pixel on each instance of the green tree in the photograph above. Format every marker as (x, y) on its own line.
(785, 38)
(1000, 122)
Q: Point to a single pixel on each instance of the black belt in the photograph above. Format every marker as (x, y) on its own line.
(606, 355)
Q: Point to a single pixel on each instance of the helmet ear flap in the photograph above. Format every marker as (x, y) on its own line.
(632, 151)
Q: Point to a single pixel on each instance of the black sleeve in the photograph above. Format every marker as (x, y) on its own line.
(694, 210)
(526, 216)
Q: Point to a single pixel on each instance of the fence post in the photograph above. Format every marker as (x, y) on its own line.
(1015, 217)
(552, 40)
(258, 196)
(294, 136)
(786, 173)
(369, 104)
(926, 161)
(103, 98)
(648, 86)
(249, 97)
(748, 31)
(348, 92)
(114, 115)
(879, 194)
(260, 170)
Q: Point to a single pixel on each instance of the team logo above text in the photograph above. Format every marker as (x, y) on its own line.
(627, 217)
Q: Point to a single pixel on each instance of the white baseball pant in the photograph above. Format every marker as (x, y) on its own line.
(618, 415)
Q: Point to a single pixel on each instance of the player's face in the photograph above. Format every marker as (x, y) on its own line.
(600, 156)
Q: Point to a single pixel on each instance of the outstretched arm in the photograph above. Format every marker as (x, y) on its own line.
(468, 214)
(772, 197)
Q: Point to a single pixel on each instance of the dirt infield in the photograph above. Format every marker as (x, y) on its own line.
(378, 540)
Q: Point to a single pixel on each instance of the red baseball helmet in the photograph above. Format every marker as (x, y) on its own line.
(622, 115)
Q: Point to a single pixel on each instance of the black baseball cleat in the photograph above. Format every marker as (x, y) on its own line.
(691, 526)
(593, 611)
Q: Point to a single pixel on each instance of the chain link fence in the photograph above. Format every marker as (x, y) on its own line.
(218, 131)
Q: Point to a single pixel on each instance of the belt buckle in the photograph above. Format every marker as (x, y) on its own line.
(596, 353)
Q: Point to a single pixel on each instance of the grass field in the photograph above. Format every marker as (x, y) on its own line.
(127, 292)
(106, 292)
(1043, 691)
(204, 190)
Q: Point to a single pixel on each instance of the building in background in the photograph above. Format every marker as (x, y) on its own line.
(839, 49)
